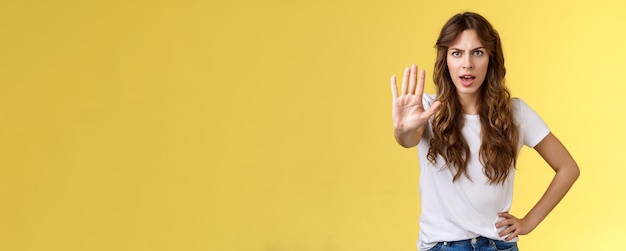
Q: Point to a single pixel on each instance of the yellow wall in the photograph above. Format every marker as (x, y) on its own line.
(265, 125)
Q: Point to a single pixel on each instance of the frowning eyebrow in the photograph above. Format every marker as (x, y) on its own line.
(457, 49)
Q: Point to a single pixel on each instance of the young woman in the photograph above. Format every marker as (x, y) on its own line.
(468, 137)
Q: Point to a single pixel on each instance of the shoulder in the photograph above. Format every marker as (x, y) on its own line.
(532, 126)
(518, 106)
(516, 103)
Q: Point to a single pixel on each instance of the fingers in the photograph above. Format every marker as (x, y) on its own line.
(420, 83)
(511, 231)
(504, 223)
(513, 235)
(410, 83)
(405, 79)
(508, 220)
(512, 224)
(394, 87)
(412, 79)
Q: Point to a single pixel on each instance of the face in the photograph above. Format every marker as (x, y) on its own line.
(467, 62)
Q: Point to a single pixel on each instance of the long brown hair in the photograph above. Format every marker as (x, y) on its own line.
(498, 150)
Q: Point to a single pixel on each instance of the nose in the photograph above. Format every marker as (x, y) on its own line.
(467, 61)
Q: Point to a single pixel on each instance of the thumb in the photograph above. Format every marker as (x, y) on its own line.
(433, 108)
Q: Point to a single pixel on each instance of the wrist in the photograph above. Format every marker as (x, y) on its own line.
(401, 132)
(530, 222)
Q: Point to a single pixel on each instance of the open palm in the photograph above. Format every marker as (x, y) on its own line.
(408, 111)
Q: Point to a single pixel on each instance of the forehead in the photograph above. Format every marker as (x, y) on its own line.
(467, 39)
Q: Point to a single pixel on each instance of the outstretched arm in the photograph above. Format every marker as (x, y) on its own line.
(409, 116)
(566, 173)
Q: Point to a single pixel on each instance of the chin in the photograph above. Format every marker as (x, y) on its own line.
(468, 90)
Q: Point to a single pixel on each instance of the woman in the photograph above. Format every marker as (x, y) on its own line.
(469, 136)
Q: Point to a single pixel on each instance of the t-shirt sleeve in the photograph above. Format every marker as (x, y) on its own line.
(533, 129)
(427, 102)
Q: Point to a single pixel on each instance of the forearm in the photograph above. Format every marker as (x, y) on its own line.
(561, 183)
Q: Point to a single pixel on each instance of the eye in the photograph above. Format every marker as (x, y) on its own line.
(478, 53)
(456, 53)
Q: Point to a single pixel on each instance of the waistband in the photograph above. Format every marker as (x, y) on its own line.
(478, 241)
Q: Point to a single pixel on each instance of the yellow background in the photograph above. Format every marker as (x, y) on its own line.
(265, 125)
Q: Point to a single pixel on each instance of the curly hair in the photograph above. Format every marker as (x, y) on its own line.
(500, 136)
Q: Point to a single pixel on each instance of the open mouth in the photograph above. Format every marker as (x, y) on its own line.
(467, 80)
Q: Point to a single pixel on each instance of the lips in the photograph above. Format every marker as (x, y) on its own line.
(467, 80)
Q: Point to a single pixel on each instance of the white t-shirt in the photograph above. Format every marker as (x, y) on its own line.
(466, 209)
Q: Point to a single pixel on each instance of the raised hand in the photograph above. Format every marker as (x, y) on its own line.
(408, 113)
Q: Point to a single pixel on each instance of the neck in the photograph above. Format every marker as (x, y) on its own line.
(469, 103)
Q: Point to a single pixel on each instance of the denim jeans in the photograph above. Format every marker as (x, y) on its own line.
(476, 244)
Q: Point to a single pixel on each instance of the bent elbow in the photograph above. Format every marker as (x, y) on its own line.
(573, 172)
